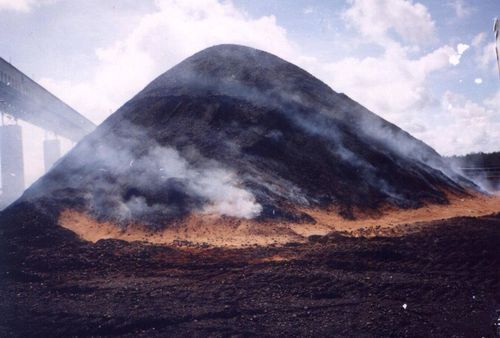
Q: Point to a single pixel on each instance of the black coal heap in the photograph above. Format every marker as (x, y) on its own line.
(270, 134)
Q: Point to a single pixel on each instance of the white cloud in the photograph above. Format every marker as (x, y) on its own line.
(454, 59)
(308, 10)
(485, 54)
(395, 85)
(15, 5)
(392, 85)
(478, 80)
(493, 102)
(478, 40)
(375, 19)
(470, 126)
(22, 5)
(460, 8)
(460, 107)
(486, 57)
(461, 48)
(163, 38)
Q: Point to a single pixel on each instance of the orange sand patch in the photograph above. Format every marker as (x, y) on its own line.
(274, 258)
(196, 229)
(473, 206)
(214, 230)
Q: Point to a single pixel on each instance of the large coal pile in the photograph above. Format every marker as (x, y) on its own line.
(239, 132)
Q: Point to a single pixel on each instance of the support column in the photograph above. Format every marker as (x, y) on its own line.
(11, 147)
(51, 153)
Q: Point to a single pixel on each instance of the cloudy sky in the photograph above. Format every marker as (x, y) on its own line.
(428, 66)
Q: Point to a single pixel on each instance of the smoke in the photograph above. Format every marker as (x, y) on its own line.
(220, 187)
(127, 176)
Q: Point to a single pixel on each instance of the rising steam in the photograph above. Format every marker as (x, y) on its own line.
(220, 187)
(207, 187)
(133, 178)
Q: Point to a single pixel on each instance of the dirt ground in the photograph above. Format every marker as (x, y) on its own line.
(442, 280)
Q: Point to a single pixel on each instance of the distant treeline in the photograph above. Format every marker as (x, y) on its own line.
(482, 168)
(477, 159)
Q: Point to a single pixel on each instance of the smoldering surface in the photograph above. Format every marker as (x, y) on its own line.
(242, 133)
(210, 230)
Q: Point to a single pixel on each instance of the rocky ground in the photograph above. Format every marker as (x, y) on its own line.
(447, 274)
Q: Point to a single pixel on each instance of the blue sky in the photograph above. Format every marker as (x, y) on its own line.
(400, 58)
(322, 29)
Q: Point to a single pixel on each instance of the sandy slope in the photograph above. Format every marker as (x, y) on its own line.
(230, 232)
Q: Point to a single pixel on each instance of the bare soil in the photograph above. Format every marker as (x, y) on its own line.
(447, 274)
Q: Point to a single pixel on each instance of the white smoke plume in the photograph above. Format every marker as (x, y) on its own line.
(219, 186)
(132, 177)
